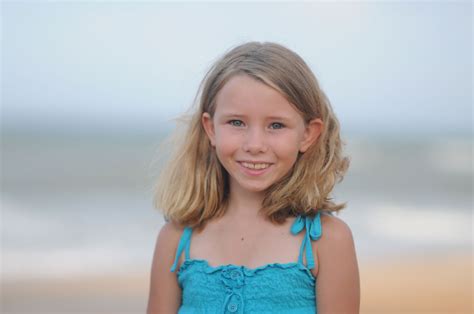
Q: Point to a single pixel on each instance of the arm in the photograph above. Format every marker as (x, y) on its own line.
(165, 293)
(338, 287)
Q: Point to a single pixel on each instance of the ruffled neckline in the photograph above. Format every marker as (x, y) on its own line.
(313, 232)
(248, 271)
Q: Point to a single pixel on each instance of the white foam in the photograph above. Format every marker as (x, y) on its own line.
(70, 262)
(445, 226)
(38, 245)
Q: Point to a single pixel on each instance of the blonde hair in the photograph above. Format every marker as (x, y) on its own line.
(193, 187)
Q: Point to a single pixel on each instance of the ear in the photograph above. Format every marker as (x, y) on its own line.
(311, 133)
(208, 126)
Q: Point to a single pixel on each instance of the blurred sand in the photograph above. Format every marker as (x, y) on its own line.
(422, 284)
(418, 284)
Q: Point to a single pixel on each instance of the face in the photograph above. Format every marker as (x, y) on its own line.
(257, 133)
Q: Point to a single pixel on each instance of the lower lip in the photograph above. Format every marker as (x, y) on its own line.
(254, 172)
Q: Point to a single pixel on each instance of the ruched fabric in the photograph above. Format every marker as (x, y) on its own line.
(271, 288)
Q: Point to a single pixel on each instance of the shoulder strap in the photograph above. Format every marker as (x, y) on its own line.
(313, 232)
(184, 244)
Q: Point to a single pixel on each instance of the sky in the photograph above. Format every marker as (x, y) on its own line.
(387, 67)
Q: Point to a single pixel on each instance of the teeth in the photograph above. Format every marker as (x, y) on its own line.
(255, 166)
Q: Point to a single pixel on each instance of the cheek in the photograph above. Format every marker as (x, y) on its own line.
(226, 144)
(287, 148)
(291, 156)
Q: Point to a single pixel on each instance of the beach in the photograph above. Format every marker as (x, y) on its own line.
(418, 284)
(412, 284)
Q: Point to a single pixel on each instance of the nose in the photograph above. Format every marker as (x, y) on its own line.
(255, 141)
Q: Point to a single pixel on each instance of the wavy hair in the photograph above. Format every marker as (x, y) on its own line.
(193, 187)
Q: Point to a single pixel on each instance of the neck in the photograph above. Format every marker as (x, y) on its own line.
(244, 205)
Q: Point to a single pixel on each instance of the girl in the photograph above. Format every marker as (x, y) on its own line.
(246, 196)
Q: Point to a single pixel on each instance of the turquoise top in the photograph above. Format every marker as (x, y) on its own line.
(271, 288)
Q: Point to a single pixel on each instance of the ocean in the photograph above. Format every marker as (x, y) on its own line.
(81, 204)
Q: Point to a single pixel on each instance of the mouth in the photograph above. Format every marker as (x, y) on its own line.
(255, 166)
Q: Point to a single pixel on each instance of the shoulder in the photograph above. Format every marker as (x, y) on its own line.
(165, 293)
(338, 274)
(171, 231)
(335, 250)
(334, 230)
(336, 241)
(168, 239)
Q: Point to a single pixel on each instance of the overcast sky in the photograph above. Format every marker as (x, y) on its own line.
(395, 67)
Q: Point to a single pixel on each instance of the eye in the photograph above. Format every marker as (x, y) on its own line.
(276, 125)
(237, 123)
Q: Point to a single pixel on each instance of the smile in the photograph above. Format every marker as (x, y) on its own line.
(255, 166)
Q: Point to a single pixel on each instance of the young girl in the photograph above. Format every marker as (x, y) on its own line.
(246, 196)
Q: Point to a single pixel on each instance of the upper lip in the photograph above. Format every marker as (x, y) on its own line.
(255, 162)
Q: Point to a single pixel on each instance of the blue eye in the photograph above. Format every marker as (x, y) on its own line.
(236, 123)
(276, 125)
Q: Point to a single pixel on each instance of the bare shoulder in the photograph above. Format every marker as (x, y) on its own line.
(338, 273)
(336, 241)
(167, 242)
(170, 232)
(165, 293)
(335, 230)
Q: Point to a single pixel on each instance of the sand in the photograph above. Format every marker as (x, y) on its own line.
(418, 284)
(414, 284)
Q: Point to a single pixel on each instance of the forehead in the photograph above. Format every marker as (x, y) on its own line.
(243, 94)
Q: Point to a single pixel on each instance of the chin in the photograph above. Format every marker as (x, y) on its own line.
(255, 189)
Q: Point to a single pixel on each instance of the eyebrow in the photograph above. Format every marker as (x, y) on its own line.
(230, 114)
(236, 115)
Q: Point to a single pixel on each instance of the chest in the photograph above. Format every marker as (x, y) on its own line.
(248, 246)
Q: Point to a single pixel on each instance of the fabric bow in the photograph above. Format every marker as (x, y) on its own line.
(313, 232)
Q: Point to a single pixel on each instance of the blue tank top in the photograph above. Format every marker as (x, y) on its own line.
(271, 288)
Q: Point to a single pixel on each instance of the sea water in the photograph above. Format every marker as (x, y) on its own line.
(82, 204)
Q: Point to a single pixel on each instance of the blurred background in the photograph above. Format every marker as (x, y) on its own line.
(90, 89)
